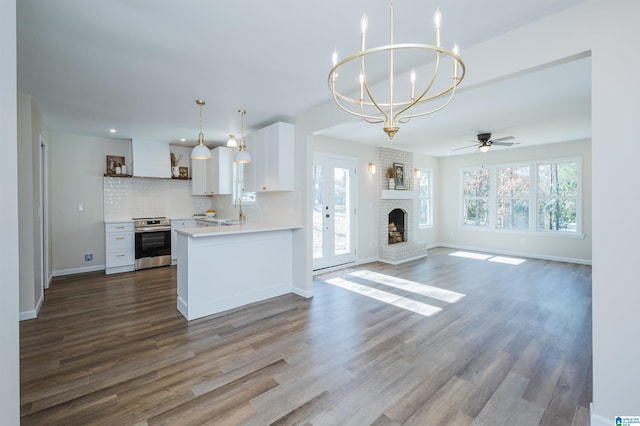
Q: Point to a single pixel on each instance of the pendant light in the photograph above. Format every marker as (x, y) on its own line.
(232, 142)
(242, 156)
(200, 151)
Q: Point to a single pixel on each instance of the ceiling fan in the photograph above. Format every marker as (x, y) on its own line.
(485, 142)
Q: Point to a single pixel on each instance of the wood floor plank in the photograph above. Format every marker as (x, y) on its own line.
(515, 348)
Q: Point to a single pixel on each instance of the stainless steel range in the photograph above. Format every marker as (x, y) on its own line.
(153, 241)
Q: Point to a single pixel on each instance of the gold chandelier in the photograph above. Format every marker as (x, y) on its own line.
(393, 111)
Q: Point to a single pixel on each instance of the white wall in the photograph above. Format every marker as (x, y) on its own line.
(367, 201)
(616, 228)
(78, 164)
(430, 235)
(9, 337)
(530, 244)
(30, 131)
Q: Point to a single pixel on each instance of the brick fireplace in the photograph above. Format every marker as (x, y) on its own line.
(397, 209)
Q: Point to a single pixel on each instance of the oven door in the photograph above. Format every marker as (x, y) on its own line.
(153, 248)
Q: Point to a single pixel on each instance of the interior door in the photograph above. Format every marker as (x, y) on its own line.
(334, 212)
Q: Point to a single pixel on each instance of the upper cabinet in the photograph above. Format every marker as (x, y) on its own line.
(214, 176)
(222, 176)
(271, 167)
(151, 158)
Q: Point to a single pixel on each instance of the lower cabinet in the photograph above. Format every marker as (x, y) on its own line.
(119, 242)
(178, 224)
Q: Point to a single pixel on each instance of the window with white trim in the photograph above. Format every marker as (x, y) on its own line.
(512, 204)
(541, 196)
(425, 195)
(558, 196)
(476, 185)
(238, 186)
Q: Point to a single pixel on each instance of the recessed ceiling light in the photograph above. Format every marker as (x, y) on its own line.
(183, 140)
(112, 130)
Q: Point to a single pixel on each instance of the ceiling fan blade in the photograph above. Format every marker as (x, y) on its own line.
(465, 147)
(506, 138)
(503, 143)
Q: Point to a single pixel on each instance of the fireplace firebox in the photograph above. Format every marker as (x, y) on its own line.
(397, 229)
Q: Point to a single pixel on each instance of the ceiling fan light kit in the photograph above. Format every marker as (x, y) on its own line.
(393, 111)
(485, 142)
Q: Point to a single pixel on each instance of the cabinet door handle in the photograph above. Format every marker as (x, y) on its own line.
(119, 227)
(120, 238)
(119, 255)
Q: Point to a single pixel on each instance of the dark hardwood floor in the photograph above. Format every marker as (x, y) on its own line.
(476, 342)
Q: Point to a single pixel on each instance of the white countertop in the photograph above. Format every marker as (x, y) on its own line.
(245, 228)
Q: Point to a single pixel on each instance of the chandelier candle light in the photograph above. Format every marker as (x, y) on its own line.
(200, 151)
(392, 112)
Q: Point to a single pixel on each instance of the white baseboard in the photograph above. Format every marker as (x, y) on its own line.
(82, 270)
(304, 293)
(363, 261)
(597, 420)
(518, 254)
(27, 315)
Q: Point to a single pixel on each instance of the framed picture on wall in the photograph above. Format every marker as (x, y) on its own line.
(399, 178)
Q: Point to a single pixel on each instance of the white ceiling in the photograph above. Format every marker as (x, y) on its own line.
(139, 65)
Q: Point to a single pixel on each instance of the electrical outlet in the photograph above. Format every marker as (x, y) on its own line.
(88, 257)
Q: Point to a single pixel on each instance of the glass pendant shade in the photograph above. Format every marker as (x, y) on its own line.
(232, 142)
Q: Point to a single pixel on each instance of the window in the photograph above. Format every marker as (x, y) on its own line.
(513, 197)
(425, 194)
(540, 197)
(476, 186)
(558, 196)
(238, 186)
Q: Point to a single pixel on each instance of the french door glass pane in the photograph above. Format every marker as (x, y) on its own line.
(341, 210)
(318, 203)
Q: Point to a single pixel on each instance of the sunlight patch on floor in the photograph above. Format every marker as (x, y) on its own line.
(488, 257)
(386, 297)
(507, 260)
(410, 286)
(469, 255)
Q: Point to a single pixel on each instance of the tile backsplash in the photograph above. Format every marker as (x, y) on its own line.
(126, 198)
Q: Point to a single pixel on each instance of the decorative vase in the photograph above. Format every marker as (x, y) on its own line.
(175, 171)
(392, 183)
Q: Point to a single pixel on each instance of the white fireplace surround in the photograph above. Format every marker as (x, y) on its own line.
(402, 199)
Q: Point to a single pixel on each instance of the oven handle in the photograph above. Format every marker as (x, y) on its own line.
(152, 229)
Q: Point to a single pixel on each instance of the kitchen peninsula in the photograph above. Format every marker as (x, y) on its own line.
(224, 267)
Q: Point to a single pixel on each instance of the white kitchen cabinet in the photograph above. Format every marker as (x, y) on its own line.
(119, 247)
(178, 224)
(271, 167)
(214, 176)
(222, 173)
(201, 177)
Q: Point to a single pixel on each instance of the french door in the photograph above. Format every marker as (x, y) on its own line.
(334, 196)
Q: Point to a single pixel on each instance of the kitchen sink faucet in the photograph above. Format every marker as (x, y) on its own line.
(242, 218)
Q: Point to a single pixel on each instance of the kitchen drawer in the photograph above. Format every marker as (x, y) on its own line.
(120, 258)
(119, 241)
(119, 227)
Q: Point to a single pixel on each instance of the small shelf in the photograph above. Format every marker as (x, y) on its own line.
(398, 194)
(116, 175)
(180, 178)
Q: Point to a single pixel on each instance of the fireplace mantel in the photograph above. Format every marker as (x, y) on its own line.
(398, 194)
